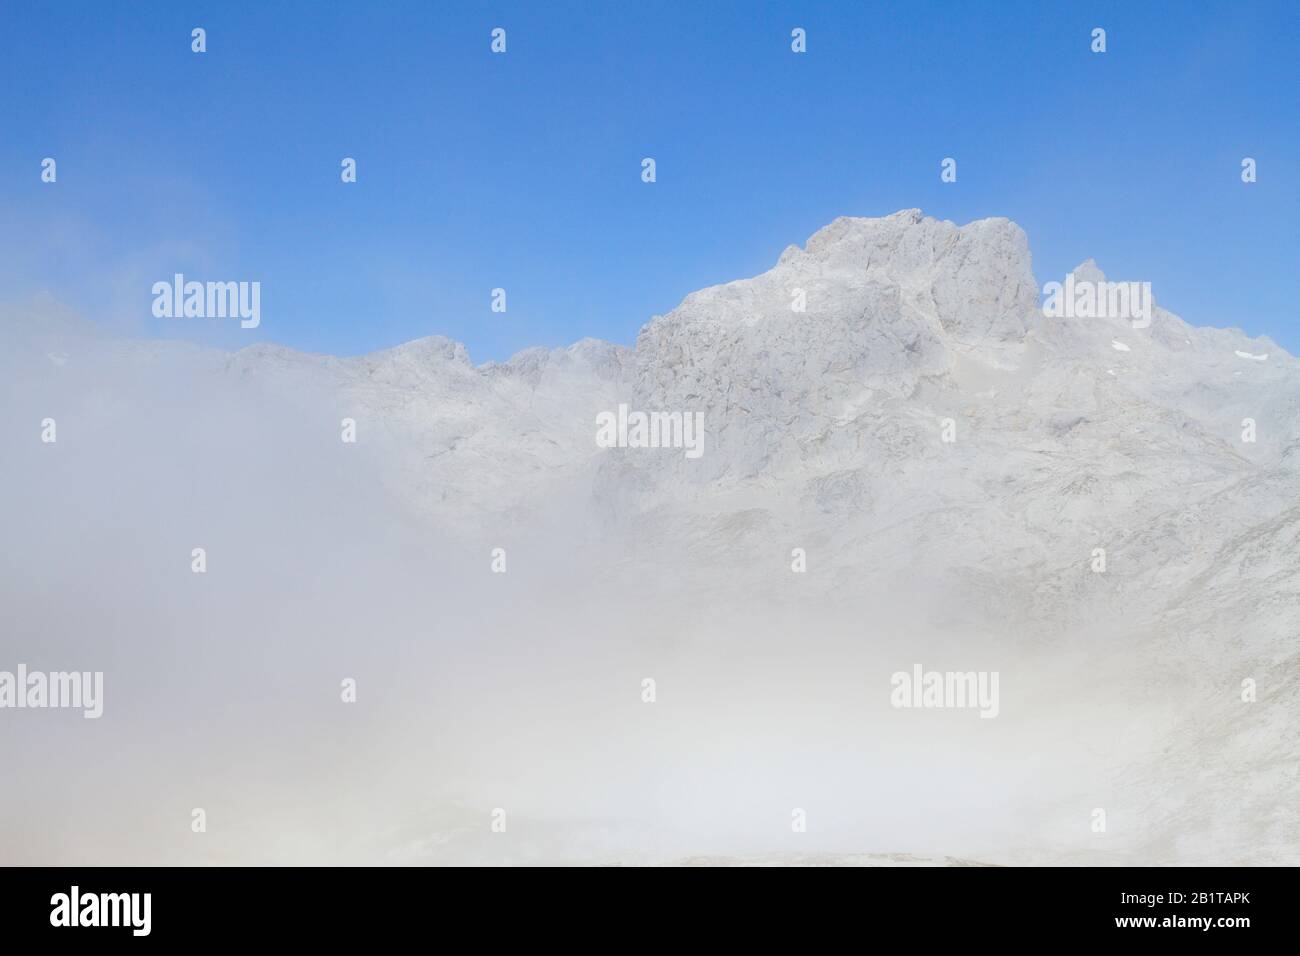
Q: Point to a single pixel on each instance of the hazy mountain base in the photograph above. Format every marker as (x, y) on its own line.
(522, 690)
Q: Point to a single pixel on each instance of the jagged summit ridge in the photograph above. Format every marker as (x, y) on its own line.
(902, 283)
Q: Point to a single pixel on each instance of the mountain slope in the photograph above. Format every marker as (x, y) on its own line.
(891, 400)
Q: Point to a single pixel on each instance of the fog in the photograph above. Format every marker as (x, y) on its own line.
(476, 691)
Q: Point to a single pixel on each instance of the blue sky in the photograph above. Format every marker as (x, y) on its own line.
(522, 170)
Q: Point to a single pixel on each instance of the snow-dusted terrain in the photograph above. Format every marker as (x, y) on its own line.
(824, 431)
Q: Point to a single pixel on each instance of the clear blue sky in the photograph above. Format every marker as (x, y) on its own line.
(523, 171)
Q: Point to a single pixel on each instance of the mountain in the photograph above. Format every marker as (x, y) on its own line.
(891, 401)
